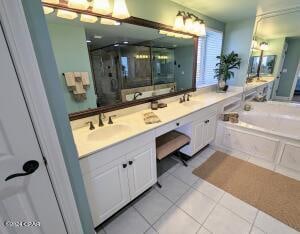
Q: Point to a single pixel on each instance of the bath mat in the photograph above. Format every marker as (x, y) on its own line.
(268, 191)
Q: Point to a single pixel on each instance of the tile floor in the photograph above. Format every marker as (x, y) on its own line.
(187, 204)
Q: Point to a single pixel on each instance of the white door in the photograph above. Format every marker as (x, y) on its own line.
(141, 170)
(198, 135)
(107, 189)
(278, 76)
(25, 200)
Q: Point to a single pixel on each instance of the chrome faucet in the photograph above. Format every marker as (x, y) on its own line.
(110, 119)
(92, 127)
(101, 116)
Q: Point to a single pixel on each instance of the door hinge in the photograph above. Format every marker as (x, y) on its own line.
(45, 161)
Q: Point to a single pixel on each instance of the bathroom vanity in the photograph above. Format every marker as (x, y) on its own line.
(117, 170)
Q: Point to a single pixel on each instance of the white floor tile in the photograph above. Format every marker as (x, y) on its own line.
(256, 230)
(288, 172)
(196, 205)
(239, 207)
(203, 231)
(130, 222)
(262, 163)
(175, 221)
(270, 225)
(185, 174)
(224, 221)
(201, 157)
(152, 206)
(208, 189)
(172, 187)
(151, 231)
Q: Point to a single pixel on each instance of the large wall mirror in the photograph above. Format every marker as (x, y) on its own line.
(276, 52)
(119, 64)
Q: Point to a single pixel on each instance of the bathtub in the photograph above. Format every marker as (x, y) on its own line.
(269, 132)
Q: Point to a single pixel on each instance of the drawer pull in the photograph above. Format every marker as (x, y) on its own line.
(124, 165)
(130, 163)
(207, 121)
(177, 124)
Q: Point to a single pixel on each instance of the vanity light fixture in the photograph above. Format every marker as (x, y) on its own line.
(264, 45)
(120, 10)
(190, 23)
(78, 4)
(109, 22)
(47, 10)
(179, 21)
(88, 18)
(101, 7)
(51, 1)
(66, 14)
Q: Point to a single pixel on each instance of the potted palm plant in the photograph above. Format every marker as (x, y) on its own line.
(224, 67)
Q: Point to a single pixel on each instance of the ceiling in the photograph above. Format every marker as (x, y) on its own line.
(279, 26)
(232, 10)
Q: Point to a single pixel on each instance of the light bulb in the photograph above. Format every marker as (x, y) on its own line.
(51, 1)
(202, 31)
(120, 10)
(47, 10)
(78, 4)
(196, 28)
(101, 7)
(88, 18)
(188, 27)
(254, 44)
(109, 22)
(66, 14)
(179, 22)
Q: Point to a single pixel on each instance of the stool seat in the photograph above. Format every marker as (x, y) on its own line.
(169, 143)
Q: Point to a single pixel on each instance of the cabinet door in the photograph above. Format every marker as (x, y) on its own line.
(198, 140)
(107, 189)
(209, 129)
(141, 169)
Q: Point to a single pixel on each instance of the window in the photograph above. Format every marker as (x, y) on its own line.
(208, 49)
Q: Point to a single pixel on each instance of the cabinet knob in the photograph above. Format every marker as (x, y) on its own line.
(177, 124)
(124, 165)
(130, 162)
(207, 121)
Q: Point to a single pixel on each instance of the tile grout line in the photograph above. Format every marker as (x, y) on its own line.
(254, 221)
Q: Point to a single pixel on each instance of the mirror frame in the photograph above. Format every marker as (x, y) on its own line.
(140, 22)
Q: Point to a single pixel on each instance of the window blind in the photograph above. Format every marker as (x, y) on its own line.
(208, 49)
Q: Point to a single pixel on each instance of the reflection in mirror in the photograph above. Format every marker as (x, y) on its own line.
(122, 62)
(276, 53)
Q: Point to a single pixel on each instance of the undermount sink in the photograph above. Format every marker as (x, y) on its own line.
(191, 103)
(109, 131)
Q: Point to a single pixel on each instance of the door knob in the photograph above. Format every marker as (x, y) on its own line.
(28, 168)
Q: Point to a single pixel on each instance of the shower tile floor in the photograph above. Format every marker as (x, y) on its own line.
(187, 204)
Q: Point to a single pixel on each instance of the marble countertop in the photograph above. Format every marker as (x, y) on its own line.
(133, 124)
(256, 83)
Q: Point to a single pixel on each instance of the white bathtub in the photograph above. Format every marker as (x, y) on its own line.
(270, 132)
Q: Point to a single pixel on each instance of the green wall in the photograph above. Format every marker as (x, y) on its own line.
(290, 63)
(238, 38)
(44, 53)
(164, 11)
(71, 54)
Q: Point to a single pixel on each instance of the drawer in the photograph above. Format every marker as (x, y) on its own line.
(173, 125)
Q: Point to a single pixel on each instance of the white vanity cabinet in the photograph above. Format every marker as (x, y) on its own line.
(116, 175)
(201, 130)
